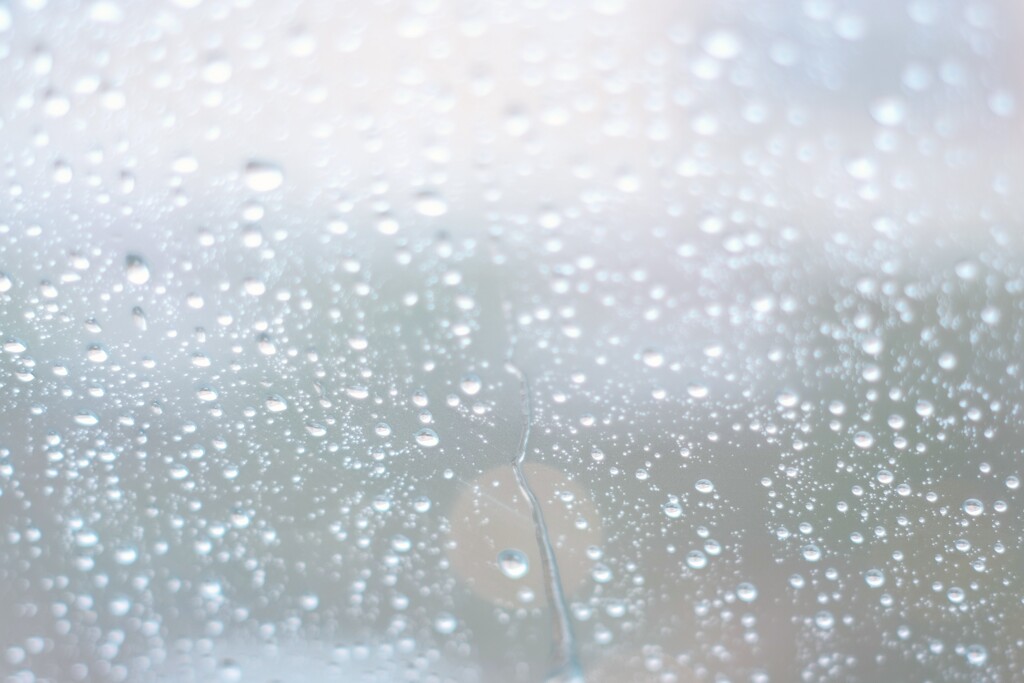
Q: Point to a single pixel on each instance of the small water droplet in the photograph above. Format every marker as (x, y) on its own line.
(86, 538)
(889, 111)
(722, 44)
(126, 555)
(431, 204)
(263, 176)
(445, 623)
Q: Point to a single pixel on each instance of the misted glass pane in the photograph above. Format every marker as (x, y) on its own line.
(511, 340)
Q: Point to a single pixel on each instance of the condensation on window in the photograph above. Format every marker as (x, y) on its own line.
(483, 340)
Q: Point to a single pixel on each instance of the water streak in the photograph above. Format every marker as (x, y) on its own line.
(568, 666)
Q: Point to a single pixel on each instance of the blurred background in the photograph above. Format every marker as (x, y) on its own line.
(264, 266)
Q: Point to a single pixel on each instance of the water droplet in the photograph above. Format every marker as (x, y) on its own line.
(309, 601)
(207, 394)
(513, 563)
(105, 12)
(811, 552)
(126, 555)
(55, 104)
(695, 559)
(824, 620)
(601, 573)
(254, 286)
(470, 385)
(787, 399)
(722, 44)
(973, 507)
(704, 486)
(746, 592)
(136, 269)
(976, 655)
(863, 440)
(427, 437)
(431, 204)
(357, 392)
(653, 358)
(139, 318)
(263, 176)
(889, 111)
(86, 419)
(445, 623)
(120, 605)
(86, 538)
(230, 672)
(697, 390)
(15, 345)
(276, 403)
(217, 70)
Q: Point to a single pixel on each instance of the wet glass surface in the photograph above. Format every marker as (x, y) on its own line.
(511, 341)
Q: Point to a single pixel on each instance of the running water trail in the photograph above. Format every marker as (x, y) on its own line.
(568, 667)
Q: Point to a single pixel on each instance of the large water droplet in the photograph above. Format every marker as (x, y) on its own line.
(276, 403)
(427, 437)
(874, 578)
(136, 270)
(513, 563)
(973, 507)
